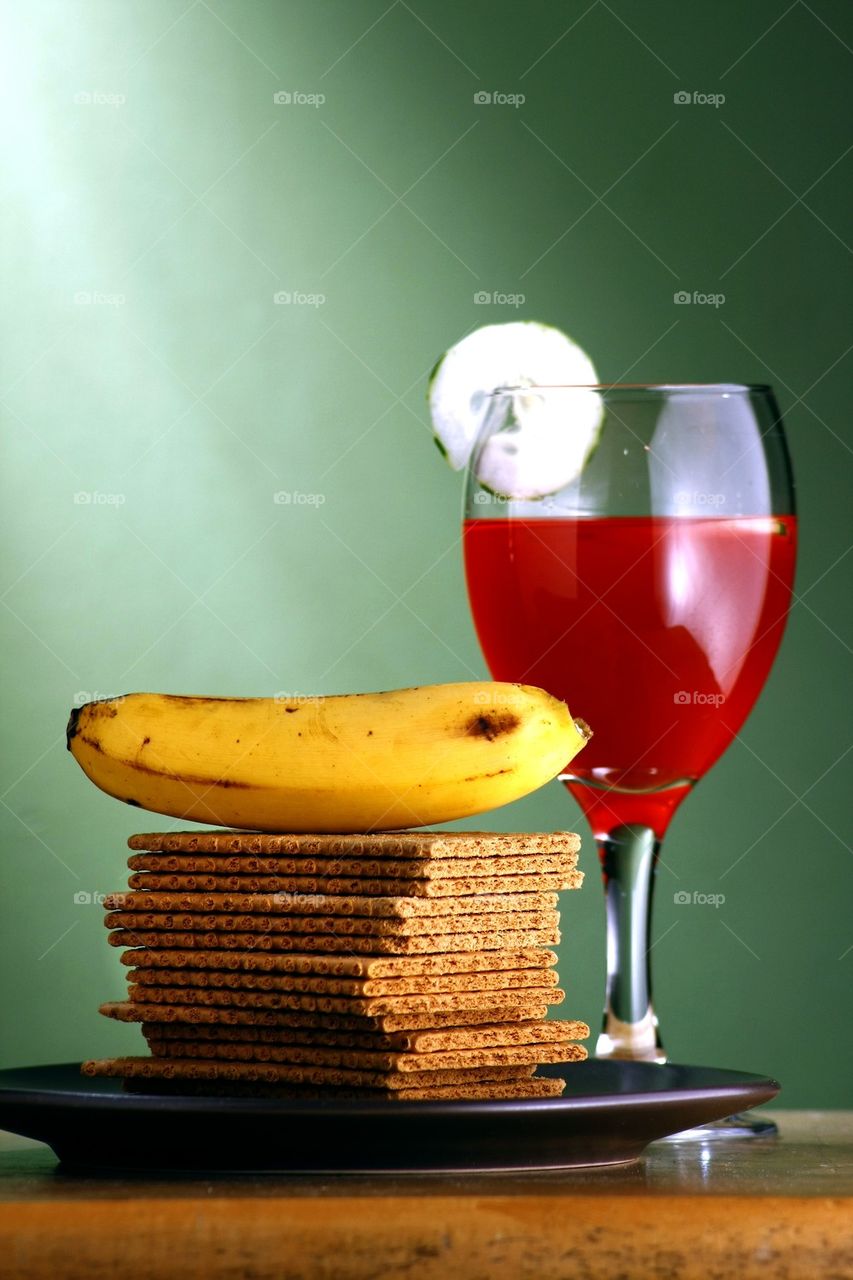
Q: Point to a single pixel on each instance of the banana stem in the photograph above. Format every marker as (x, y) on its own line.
(629, 862)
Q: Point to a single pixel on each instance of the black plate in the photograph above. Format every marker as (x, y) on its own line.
(608, 1114)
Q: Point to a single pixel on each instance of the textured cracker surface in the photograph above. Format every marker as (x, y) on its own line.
(404, 844)
(161, 882)
(419, 984)
(494, 1035)
(370, 867)
(334, 926)
(373, 1005)
(343, 965)
(272, 1073)
(527, 1057)
(128, 1011)
(324, 904)
(536, 1087)
(327, 943)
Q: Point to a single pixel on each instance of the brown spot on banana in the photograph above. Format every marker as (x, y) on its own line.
(198, 699)
(491, 725)
(496, 773)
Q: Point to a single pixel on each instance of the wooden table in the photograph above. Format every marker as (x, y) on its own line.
(779, 1209)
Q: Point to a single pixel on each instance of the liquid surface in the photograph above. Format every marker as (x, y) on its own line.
(659, 631)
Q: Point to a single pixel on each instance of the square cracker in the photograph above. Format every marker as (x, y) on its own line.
(369, 1006)
(342, 966)
(420, 984)
(329, 944)
(533, 1087)
(376, 868)
(334, 926)
(421, 1064)
(333, 905)
(126, 1011)
(273, 1073)
(166, 882)
(402, 844)
(483, 1036)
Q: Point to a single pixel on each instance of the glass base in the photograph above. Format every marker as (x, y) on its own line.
(630, 1041)
(741, 1125)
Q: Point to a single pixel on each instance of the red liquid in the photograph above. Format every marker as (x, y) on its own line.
(659, 631)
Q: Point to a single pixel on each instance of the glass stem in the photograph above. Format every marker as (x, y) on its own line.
(629, 862)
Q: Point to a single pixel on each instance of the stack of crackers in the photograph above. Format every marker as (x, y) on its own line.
(413, 965)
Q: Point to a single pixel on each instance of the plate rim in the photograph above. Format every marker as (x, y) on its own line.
(47, 1097)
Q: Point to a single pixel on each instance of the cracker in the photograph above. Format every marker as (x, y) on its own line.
(242, 864)
(420, 984)
(534, 1087)
(343, 965)
(370, 1006)
(269, 1072)
(125, 1011)
(422, 1064)
(486, 1036)
(157, 882)
(402, 844)
(324, 904)
(329, 944)
(341, 927)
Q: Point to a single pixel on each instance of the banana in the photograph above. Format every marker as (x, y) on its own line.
(354, 762)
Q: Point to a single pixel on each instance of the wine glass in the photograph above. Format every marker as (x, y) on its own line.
(650, 592)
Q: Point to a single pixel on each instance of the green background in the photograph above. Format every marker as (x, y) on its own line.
(147, 367)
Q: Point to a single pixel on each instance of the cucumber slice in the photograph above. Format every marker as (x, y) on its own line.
(544, 444)
(547, 436)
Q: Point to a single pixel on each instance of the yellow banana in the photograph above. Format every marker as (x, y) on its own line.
(356, 762)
